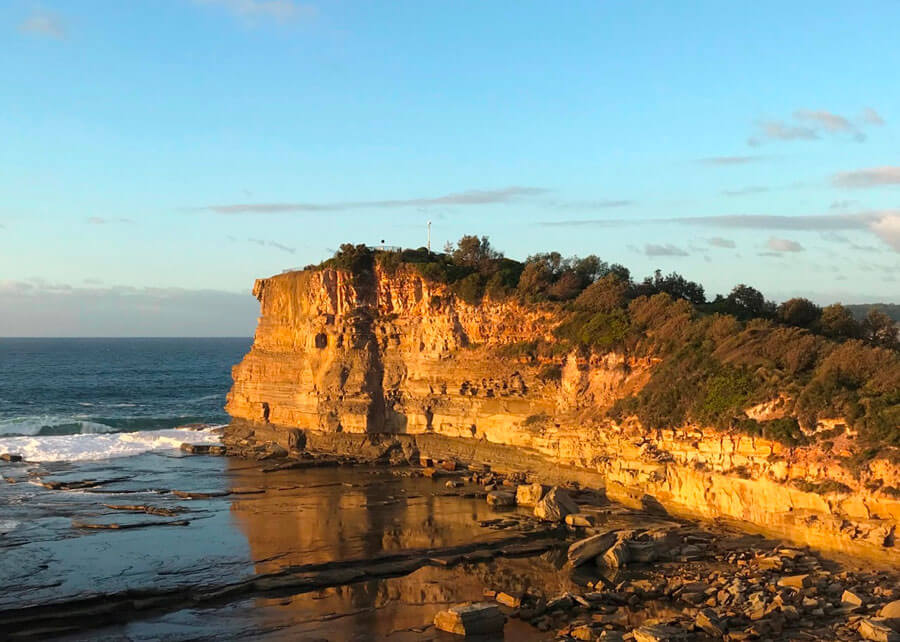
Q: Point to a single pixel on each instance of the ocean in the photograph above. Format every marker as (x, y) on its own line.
(80, 399)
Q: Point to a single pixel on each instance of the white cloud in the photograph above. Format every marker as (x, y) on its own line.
(783, 245)
(888, 230)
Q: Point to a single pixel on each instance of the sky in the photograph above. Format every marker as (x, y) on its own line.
(157, 157)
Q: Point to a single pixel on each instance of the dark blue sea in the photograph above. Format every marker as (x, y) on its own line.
(72, 387)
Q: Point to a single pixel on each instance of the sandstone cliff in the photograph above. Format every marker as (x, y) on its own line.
(401, 356)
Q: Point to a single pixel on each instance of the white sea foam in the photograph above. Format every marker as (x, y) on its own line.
(104, 446)
(32, 425)
(7, 526)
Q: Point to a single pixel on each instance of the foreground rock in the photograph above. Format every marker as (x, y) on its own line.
(585, 550)
(471, 619)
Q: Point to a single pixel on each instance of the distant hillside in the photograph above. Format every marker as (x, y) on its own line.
(860, 310)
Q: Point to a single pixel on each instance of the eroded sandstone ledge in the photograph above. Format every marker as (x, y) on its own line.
(398, 362)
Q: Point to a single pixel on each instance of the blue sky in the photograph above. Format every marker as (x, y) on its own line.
(159, 153)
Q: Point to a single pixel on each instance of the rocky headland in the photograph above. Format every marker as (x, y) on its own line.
(395, 366)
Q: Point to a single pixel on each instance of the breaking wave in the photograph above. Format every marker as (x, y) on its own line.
(94, 446)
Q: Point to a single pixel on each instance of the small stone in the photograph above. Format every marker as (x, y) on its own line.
(795, 581)
(453, 483)
(501, 498)
(507, 599)
(471, 619)
(852, 599)
(10, 457)
(583, 632)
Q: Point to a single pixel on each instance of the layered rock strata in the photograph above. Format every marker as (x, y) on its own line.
(394, 361)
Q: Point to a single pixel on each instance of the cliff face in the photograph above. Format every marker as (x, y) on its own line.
(401, 356)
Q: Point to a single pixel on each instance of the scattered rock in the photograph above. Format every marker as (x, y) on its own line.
(555, 505)
(580, 520)
(471, 619)
(852, 599)
(453, 483)
(709, 621)
(501, 498)
(658, 633)
(10, 457)
(530, 494)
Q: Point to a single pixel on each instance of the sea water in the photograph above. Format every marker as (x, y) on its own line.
(89, 399)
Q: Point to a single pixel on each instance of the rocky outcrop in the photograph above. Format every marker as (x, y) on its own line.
(386, 359)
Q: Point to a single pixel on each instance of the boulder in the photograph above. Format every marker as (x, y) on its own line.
(471, 619)
(555, 505)
(530, 494)
(501, 498)
(584, 550)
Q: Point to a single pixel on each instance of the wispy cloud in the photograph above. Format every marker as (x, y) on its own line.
(730, 160)
(783, 245)
(871, 117)
(469, 197)
(871, 177)
(46, 24)
(99, 220)
(276, 10)
(652, 249)
(828, 121)
(738, 221)
(778, 130)
(718, 241)
(592, 205)
(842, 205)
(745, 191)
(810, 124)
(277, 246)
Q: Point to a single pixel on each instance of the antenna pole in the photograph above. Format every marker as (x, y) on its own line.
(429, 236)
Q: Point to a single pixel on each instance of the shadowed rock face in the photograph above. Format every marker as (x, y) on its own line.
(400, 360)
